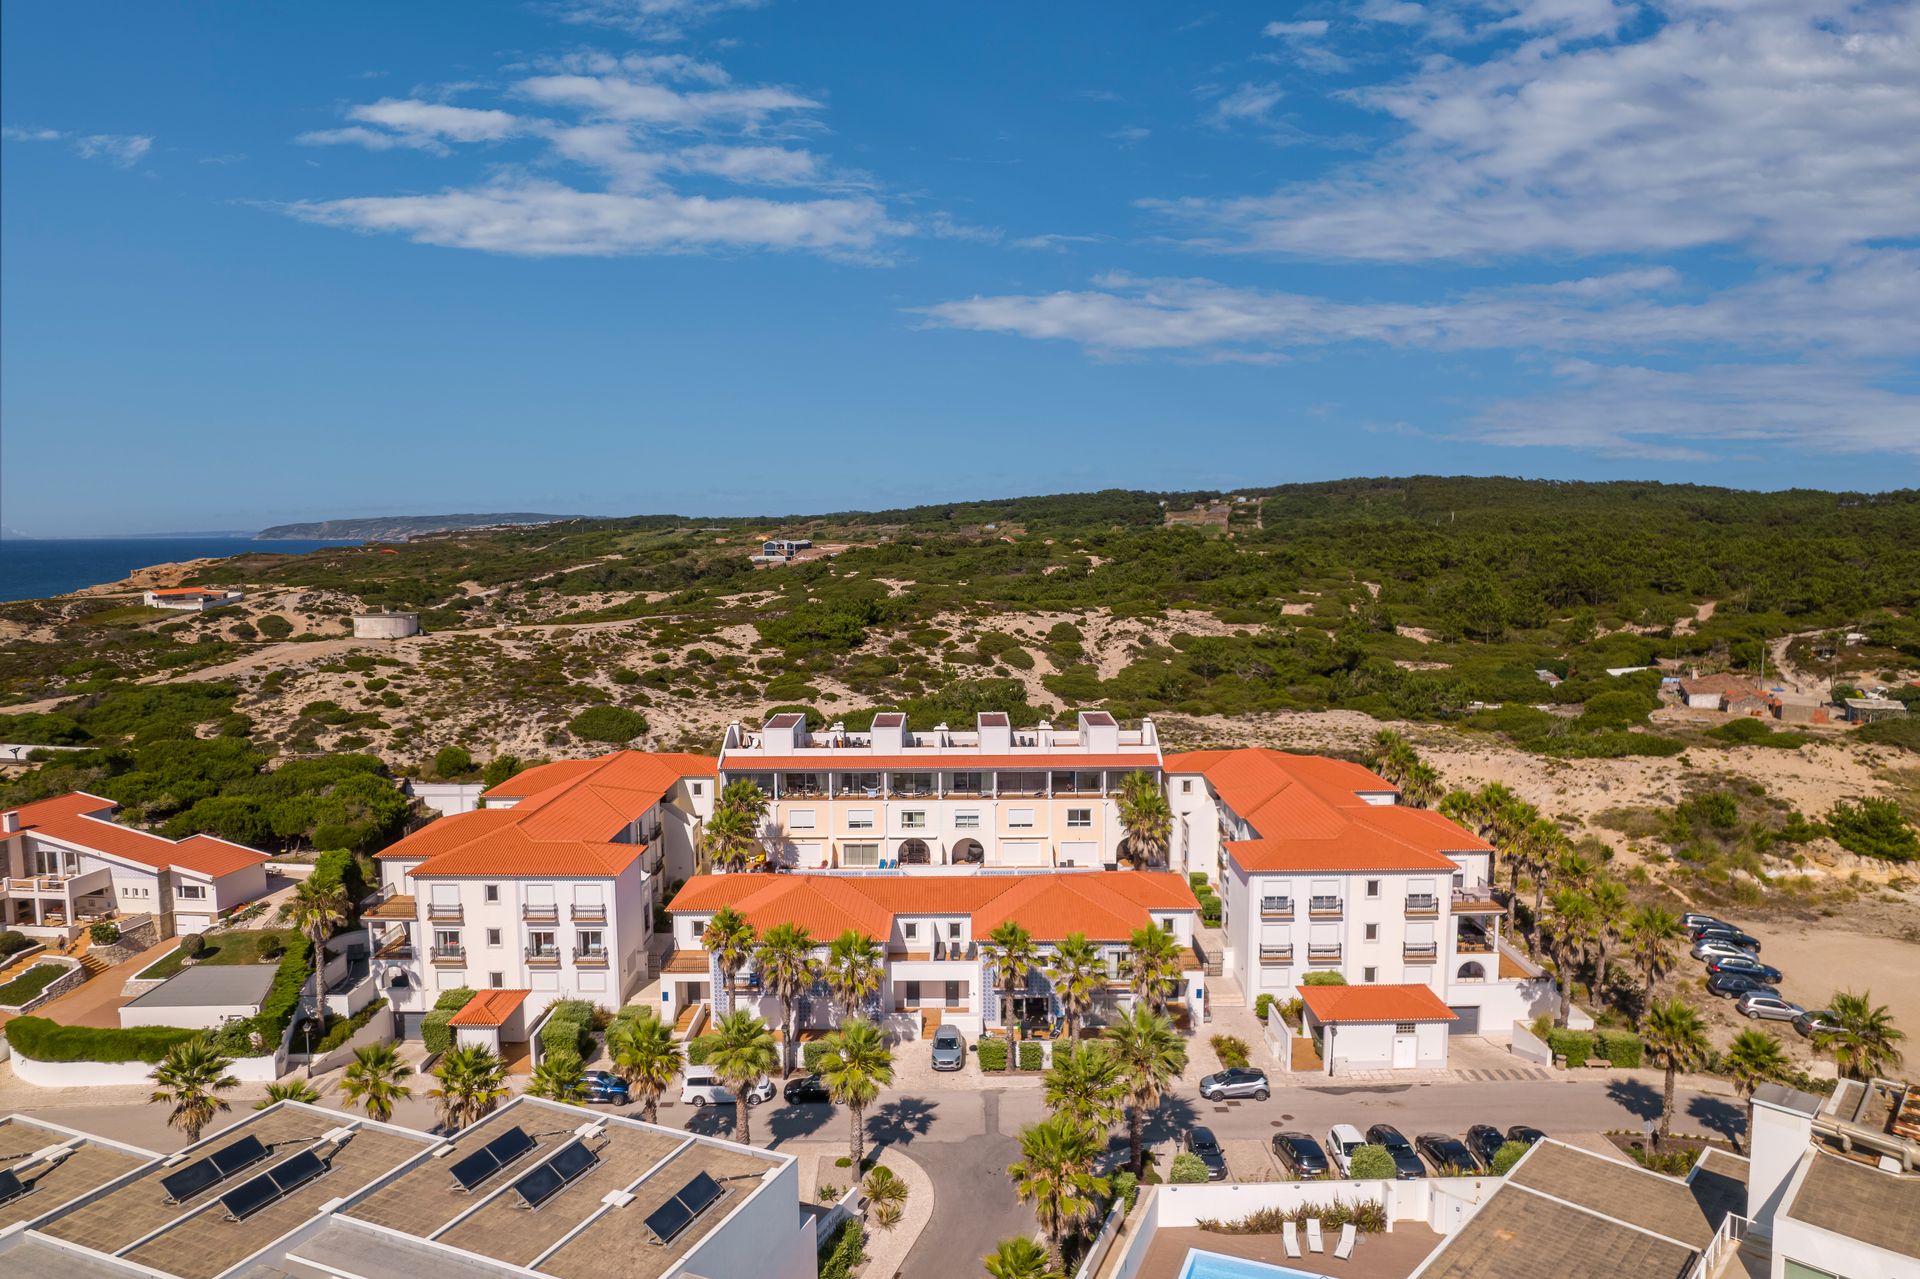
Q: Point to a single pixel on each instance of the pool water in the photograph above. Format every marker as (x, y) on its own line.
(1211, 1265)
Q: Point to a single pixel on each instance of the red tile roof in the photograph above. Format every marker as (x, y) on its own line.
(935, 758)
(1375, 1003)
(84, 821)
(1105, 905)
(1308, 814)
(565, 823)
(489, 1008)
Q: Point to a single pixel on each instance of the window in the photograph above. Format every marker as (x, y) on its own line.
(1079, 818)
(1373, 932)
(967, 819)
(858, 784)
(1369, 975)
(1373, 888)
(446, 941)
(1186, 786)
(910, 931)
(859, 854)
(911, 784)
(493, 936)
(591, 941)
(497, 980)
(192, 892)
(800, 784)
(697, 788)
(1403, 1028)
(914, 819)
(1020, 818)
(800, 819)
(491, 892)
(542, 944)
(968, 782)
(859, 819)
(1166, 923)
(1021, 783)
(953, 931)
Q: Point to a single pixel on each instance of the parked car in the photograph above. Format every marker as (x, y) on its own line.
(1484, 1140)
(1715, 949)
(1406, 1160)
(1241, 1081)
(1745, 941)
(1300, 1154)
(601, 1088)
(702, 1087)
(1813, 1023)
(1526, 1133)
(1744, 964)
(1768, 1007)
(807, 1088)
(1342, 1141)
(1200, 1142)
(949, 1049)
(1692, 921)
(1733, 985)
(1446, 1154)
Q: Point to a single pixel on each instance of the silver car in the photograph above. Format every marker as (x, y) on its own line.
(1768, 1007)
(949, 1049)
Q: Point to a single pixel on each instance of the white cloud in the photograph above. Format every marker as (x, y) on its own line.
(1249, 103)
(548, 219)
(411, 123)
(355, 135)
(648, 102)
(1131, 135)
(1054, 240)
(121, 150)
(1313, 29)
(14, 133)
(1790, 127)
(644, 66)
(762, 166)
(648, 19)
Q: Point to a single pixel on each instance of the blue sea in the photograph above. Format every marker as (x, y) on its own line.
(31, 568)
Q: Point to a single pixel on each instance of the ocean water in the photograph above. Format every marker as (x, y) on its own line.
(34, 568)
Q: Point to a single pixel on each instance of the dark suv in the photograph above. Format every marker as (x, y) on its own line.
(1300, 1154)
(1447, 1154)
(600, 1088)
(1200, 1143)
(1406, 1160)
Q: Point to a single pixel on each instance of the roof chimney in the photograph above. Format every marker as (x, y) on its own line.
(10, 822)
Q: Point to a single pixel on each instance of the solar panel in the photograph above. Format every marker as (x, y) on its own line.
(297, 1172)
(668, 1220)
(553, 1176)
(510, 1145)
(11, 1187)
(492, 1157)
(573, 1160)
(212, 1170)
(276, 1183)
(699, 1194)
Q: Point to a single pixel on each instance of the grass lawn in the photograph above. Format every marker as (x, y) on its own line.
(129, 613)
(30, 983)
(241, 947)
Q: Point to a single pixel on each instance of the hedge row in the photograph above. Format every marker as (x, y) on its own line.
(569, 1029)
(39, 1039)
(992, 1054)
(346, 1028)
(1032, 1056)
(277, 1009)
(1618, 1047)
(813, 1052)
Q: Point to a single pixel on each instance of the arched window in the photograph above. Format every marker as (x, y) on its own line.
(1472, 971)
(913, 852)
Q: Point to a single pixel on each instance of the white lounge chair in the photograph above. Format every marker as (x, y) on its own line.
(1314, 1242)
(1348, 1237)
(1290, 1237)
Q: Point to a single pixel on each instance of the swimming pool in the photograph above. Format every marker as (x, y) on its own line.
(1212, 1265)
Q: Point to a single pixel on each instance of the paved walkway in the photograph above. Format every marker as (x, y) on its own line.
(98, 1001)
(886, 1249)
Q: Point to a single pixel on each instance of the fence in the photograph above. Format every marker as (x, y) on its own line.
(1103, 1242)
(1527, 1045)
(1725, 1242)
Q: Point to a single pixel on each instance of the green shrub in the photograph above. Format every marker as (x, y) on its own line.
(1262, 1005)
(845, 1249)
(992, 1054)
(1126, 1188)
(569, 1028)
(193, 945)
(812, 1052)
(1575, 1045)
(1032, 1056)
(341, 1029)
(38, 1039)
(1231, 1050)
(1873, 828)
(1188, 1169)
(1326, 977)
(274, 626)
(499, 769)
(271, 947)
(1371, 1163)
(104, 933)
(454, 1000)
(612, 724)
(435, 1033)
(451, 761)
(698, 1050)
(12, 943)
(1507, 1156)
(1197, 879)
(1621, 1047)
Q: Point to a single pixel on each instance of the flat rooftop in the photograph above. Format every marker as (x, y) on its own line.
(70, 1165)
(1850, 1198)
(210, 986)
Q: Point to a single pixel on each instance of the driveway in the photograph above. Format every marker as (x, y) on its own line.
(98, 1001)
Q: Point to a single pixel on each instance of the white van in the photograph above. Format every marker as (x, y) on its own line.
(702, 1087)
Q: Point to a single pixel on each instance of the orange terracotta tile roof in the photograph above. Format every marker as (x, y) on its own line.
(1308, 814)
(1375, 1003)
(564, 824)
(1105, 905)
(489, 1008)
(85, 821)
(935, 758)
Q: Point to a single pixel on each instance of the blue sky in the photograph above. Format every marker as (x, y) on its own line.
(609, 256)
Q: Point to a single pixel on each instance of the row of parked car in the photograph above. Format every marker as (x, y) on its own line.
(1304, 1158)
(1734, 971)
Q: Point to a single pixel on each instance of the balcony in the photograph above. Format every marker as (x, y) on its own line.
(540, 913)
(596, 914)
(449, 956)
(1323, 954)
(444, 913)
(1324, 907)
(1475, 899)
(1420, 952)
(1423, 906)
(543, 956)
(1276, 908)
(1280, 956)
(1474, 943)
(590, 957)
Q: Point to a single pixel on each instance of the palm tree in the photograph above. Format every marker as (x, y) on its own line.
(856, 1066)
(745, 807)
(1151, 1056)
(1011, 957)
(1146, 817)
(1392, 755)
(1610, 906)
(315, 910)
(1020, 1258)
(744, 795)
(473, 1079)
(1568, 930)
(190, 1078)
(1055, 1174)
(1077, 971)
(1754, 1058)
(729, 936)
(291, 1090)
(1863, 1046)
(1421, 786)
(1677, 1038)
(853, 968)
(1153, 965)
(787, 971)
(1085, 1085)
(646, 1056)
(558, 1077)
(731, 836)
(1652, 937)
(743, 1051)
(375, 1080)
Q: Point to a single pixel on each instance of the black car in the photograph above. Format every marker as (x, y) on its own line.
(1526, 1133)
(1300, 1155)
(1745, 941)
(1447, 1154)
(1731, 985)
(1767, 973)
(599, 1088)
(807, 1088)
(1406, 1160)
(1484, 1140)
(1200, 1142)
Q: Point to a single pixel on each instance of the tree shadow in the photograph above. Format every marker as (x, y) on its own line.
(1170, 1120)
(1636, 1097)
(793, 1121)
(899, 1121)
(1719, 1116)
(711, 1121)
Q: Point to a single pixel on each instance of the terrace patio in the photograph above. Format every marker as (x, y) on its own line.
(1393, 1255)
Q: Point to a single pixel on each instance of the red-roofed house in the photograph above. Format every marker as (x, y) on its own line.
(191, 599)
(1322, 870)
(932, 927)
(549, 887)
(64, 862)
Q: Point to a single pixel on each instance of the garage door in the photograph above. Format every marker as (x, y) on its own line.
(409, 1024)
(1467, 1023)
